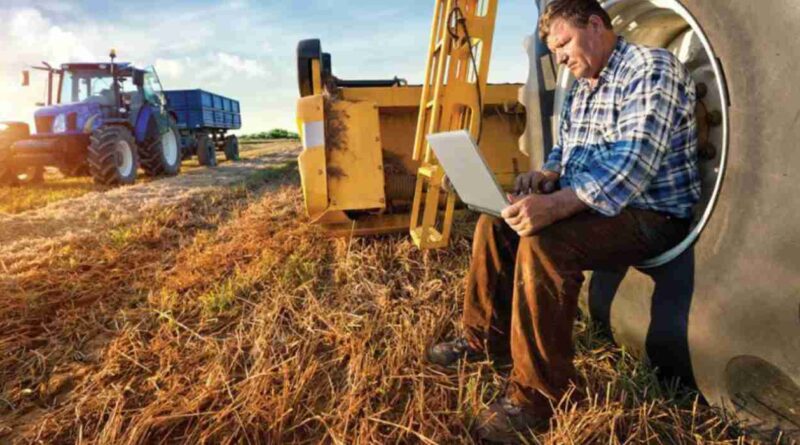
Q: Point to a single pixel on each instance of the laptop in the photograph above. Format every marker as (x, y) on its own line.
(467, 170)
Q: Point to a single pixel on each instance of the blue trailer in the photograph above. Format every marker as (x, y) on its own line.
(203, 119)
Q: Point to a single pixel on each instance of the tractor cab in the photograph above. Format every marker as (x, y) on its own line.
(83, 96)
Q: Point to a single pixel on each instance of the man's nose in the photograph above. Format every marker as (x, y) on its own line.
(561, 58)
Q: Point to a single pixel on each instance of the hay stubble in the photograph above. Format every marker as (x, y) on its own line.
(229, 320)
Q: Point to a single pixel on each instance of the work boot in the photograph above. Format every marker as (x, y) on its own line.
(505, 421)
(447, 354)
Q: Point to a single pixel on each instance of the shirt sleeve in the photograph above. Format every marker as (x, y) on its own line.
(553, 161)
(646, 116)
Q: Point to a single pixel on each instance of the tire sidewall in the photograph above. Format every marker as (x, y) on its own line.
(743, 301)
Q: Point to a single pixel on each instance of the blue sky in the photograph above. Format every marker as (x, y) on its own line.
(243, 49)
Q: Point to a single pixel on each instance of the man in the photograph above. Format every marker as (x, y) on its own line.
(617, 189)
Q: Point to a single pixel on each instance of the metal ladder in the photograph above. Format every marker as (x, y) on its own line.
(450, 100)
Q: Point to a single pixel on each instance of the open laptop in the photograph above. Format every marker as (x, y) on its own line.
(464, 165)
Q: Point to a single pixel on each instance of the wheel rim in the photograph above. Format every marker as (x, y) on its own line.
(169, 146)
(124, 157)
(668, 24)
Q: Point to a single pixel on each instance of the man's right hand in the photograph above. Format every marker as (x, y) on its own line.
(542, 182)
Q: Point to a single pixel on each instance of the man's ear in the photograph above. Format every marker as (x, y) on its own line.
(596, 23)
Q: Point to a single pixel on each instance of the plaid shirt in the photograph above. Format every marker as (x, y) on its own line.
(632, 141)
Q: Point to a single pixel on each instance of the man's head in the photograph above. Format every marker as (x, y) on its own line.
(579, 34)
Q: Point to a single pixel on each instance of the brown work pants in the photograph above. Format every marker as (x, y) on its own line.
(522, 293)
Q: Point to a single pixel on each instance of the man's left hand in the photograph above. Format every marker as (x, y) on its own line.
(530, 214)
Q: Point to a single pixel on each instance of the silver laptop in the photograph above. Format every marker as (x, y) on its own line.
(464, 165)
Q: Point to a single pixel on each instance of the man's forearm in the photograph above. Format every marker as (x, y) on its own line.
(566, 203)
(529, 214)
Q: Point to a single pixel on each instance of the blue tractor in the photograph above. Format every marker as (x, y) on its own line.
(101, 119)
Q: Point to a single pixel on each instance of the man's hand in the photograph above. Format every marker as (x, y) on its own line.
(536, 182)
(529, 214)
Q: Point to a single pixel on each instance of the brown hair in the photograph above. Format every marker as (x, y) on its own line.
(577, 12)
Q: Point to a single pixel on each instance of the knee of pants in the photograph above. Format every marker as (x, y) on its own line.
(487, 223)
(485, 227)
(541, 245)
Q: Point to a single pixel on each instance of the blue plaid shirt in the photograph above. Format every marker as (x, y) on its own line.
(632, 141)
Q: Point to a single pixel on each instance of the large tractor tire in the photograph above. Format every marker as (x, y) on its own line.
(721, 309)
(161, 153)
(206, 151)
(232, 148)
(113, 156)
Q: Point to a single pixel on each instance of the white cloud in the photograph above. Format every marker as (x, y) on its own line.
(201, 58)
(32, 34)
(171, 68)
(33, 38)
(248, 67)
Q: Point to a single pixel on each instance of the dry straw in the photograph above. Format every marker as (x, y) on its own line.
(228, 320)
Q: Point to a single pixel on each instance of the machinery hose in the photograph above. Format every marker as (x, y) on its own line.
(454, 19)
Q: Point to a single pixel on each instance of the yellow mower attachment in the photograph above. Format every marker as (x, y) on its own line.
(357, 168)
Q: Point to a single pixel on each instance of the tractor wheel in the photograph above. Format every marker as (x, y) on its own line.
(113, 156)
(232, 148)
(206, 151)
(723, 311)
(161, 153)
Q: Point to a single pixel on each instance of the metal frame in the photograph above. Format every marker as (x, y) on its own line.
(449, 101)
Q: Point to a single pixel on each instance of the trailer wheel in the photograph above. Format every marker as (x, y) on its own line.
(113, 156)
(161, 153)
(232, 148)
(206, 151)
(725, 311)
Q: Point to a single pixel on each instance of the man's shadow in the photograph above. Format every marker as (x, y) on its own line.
(667, 342)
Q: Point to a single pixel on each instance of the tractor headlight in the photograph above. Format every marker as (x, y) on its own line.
(60, 123)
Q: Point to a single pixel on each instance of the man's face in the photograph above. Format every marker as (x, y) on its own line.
(579, 49)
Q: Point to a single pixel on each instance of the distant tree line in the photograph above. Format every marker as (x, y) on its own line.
(275, 133)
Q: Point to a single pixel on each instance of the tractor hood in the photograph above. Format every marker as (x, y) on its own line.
(68, 118)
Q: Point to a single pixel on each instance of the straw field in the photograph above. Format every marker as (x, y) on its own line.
(227, 319)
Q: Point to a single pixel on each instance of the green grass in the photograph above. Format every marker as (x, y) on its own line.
(220, 298)
(120, 237)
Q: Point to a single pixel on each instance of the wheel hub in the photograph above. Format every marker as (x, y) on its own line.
(123, 155)
(169, 145)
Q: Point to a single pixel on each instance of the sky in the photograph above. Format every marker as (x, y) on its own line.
(243, 49)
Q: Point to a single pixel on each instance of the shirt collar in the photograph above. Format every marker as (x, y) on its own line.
(613, 62)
